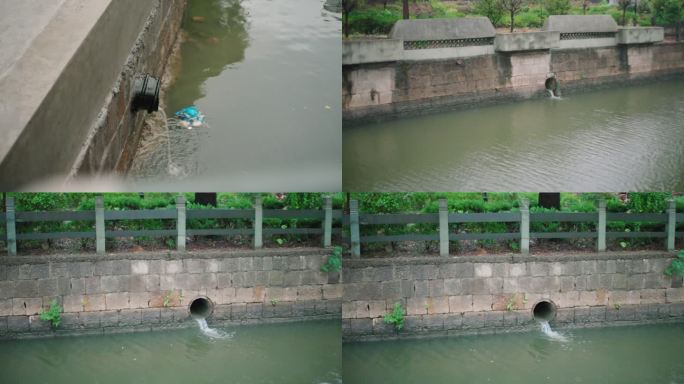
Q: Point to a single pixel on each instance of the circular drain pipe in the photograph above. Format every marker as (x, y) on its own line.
(544, 310)
(552, 85)
(201, 308)
(145, 94)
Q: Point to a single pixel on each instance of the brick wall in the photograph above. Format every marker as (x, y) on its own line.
(109, 292)
(490, 293)
(379, 91)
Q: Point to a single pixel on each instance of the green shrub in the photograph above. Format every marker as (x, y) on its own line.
(490, 9)
(667, 12)
(53, 315)
(373, 21)
(557, 7)
(396, 317)
(334, 261)
(677, 265)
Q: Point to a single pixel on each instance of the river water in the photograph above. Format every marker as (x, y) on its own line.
(267, 76)
(283, 353)
(645, 354)
(625, 138)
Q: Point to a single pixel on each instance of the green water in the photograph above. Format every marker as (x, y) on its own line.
(284, 353)
(267, 76)
(624, 138)
(645, 354)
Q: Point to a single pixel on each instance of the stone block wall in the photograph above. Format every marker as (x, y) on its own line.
(458, 295)
(110, 293)
(379, 91)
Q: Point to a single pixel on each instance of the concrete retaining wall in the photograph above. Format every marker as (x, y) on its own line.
(485, 294)
(114, 293)
(378, 91)
(65, 101)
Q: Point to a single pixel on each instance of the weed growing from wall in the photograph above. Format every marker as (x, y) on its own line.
(396, 317)
(677, 266)
(53, 314)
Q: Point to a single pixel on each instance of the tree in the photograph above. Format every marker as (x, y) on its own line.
(557, 7)
(668, 12)
(585, 5)
(623, 5)
(512, 7)
(347, 7)
(405, 9)
(491, 9)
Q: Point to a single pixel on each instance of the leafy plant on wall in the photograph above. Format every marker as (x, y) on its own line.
(396, 317)
(53, 314)
(334, 261)
(677, 266)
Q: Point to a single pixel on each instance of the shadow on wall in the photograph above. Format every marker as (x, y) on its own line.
(215, 26)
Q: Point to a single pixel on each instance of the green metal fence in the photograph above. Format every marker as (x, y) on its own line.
(443, 219)
(330, 223)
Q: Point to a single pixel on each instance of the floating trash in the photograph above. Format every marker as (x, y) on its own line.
(190, 117)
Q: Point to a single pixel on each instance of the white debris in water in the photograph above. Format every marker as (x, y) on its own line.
(546, 329)
(213, 333)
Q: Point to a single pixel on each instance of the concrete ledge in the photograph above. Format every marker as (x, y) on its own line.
(587, 43)
(506, 258)
(447, 53)
(170, 255)
(580, 24)
(640, 35)
(526, 41)
(442, 29)
(371, 51)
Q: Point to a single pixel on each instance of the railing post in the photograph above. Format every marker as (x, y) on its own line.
(443, 228)
(354, 226)
(601, 227)
(258, 223)
(327, 222)
(11, 227)
(180, 223)
(99, 225)
(524, 226)
(671, 224)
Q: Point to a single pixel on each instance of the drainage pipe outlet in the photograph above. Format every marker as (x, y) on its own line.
(145, 94)
(201, 308)
(544, 311)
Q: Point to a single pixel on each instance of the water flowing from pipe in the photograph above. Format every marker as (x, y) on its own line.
(553, 96)
(546, 329)
(210, 332)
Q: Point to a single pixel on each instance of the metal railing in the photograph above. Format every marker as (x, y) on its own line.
(180, 215)
(444, 218)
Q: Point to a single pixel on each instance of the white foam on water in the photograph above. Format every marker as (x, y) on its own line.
(546, 329)
(553, 95)
(210, 332)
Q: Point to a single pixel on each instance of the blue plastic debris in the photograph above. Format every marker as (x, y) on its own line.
(190, 117)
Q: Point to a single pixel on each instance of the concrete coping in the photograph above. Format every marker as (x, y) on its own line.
(371, 51)
(581, 24)
(640, 35)
(507, 258)
(526, 41)
(443, 29)
(170, 255)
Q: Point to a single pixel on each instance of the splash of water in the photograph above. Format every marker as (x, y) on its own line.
(546, 329)
(210, 332)
(168, 148)
(553, 96)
